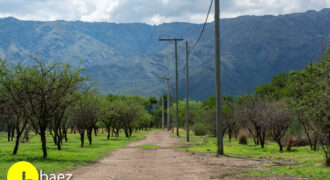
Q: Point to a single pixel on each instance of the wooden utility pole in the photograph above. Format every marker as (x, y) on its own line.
(176, 79)
(162, 113)
(168, 104)
(187, 89)
(172, 86)
(218, 77)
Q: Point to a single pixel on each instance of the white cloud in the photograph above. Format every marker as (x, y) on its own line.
(148, 11)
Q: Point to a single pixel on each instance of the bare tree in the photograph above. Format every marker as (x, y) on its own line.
(278, 119)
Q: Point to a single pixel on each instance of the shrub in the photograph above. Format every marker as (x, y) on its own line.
(290, 143)
(242, 139)
(243, 136)
(199, 129)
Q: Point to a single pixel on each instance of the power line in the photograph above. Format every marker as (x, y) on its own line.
(207, 17)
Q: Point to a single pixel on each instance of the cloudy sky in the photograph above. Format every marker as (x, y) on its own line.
(148, 11)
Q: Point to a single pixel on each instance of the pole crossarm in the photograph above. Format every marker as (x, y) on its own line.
(170, 39)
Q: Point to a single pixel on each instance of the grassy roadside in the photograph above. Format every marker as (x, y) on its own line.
(300, 162)
(60, 161)
(147, 146)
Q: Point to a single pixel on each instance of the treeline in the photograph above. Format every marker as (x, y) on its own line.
(51, 99)
(293, 108)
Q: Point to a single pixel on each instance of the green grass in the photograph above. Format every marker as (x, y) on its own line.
(60, 161)
(147, 146)
(304, 162)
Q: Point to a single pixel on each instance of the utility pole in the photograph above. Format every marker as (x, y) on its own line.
(172, 86)
(168, 104)
(187, 89)
(218, 77)
(162, 113)
(176, 79)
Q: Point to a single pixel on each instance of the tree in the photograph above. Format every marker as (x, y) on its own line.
(7, 118)
(40, 92)
(15, 106)
(228, 115)
(108, 115)
(310, 91)
(58, 126)
(278, 119)
(85, 114)
(252, 117)
(131, 113)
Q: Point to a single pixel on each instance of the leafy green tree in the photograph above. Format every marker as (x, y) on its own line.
(311, 98)
(108, 115)
(40, 92)
(15, 104)
(86, 113)
(132, 113)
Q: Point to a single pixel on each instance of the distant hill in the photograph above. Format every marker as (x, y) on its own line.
(129, 59)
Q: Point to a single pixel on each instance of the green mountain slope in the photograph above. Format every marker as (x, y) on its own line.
(129, 59)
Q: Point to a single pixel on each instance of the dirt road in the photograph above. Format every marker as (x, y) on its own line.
(164, 163)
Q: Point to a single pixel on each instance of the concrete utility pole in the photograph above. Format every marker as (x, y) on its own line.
(218, 77)
(176, 79)
(168, 104)
(187, 89)
(162, 113)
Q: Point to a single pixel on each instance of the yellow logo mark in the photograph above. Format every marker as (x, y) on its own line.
(22, 171)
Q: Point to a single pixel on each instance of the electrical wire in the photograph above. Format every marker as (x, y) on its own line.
(207, 17)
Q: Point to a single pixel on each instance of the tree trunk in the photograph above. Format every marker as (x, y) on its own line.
(307, 133)
(12, 134)
(315, 143)
(126, 132)
(26, 136)
(59, 142)
(43, 142)
(108, 129)
(89, 135)
(230, 131)
(82, 138)
(281, 148)
(95, 131)
(9, 135)
(236, 133)
(54, 137)
(65, 132)
(258, 138)
(262, 139)
(59, 146)
(17, 142)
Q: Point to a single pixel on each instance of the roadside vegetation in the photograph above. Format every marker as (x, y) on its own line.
(286, 121)
(299, 162)
(71, 155)
(54, 101)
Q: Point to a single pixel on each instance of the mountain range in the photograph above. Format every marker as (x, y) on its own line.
(129, 59)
